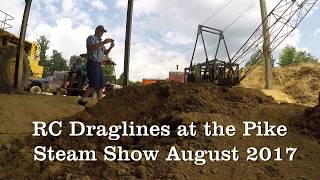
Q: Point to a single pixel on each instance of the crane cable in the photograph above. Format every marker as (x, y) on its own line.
(217, 11)
(239, 17)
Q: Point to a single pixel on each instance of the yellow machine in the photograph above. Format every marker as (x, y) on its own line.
(36, 69)
(8, 52)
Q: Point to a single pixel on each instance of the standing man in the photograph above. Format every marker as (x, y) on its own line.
(95, 55)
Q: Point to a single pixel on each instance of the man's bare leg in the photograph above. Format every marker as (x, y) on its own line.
(100, 94)
(87, 93)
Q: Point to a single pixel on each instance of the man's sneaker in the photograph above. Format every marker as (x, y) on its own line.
(82, 102)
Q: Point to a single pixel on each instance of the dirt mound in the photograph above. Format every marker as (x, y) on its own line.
(301, 82)
(278, 96)
(172, 98)
(310, 123)
(170, 104)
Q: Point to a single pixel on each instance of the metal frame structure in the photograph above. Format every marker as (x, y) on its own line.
(3, 21)
(283, 19)
(216, 71)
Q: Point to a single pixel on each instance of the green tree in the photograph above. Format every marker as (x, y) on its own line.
(304, 57)
(46, 68)
(43, 46)
(254, 60)
(137, 83)
(290, 55)
(72, 60)
(108, 70)
(57, 62)
(120, 80)
(287, 56)
(130, 83)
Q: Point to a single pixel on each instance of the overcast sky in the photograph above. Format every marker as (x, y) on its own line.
(163, 34)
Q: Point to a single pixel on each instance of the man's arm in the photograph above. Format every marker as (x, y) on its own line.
(107, 51)
(92, 47)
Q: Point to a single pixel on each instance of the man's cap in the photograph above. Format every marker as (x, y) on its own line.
(100, 27)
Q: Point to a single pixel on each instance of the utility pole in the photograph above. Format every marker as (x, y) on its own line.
(127, 43)
(20, 55)
(266, 44)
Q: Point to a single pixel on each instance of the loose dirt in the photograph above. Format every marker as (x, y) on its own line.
(18, 111)
(301, 82)
(173, 104)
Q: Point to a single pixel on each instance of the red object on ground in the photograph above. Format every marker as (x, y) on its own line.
(177, 76)
(146, 82)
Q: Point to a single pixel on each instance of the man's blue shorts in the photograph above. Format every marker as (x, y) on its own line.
(95, 75)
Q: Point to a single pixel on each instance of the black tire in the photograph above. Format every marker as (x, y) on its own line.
(7, 67)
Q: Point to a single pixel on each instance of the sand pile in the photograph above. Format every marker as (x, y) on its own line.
(170, 104)
(301, 82)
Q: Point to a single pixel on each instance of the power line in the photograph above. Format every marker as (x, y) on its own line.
(216, 12)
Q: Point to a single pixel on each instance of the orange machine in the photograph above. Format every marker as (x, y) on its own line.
(146, 82)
